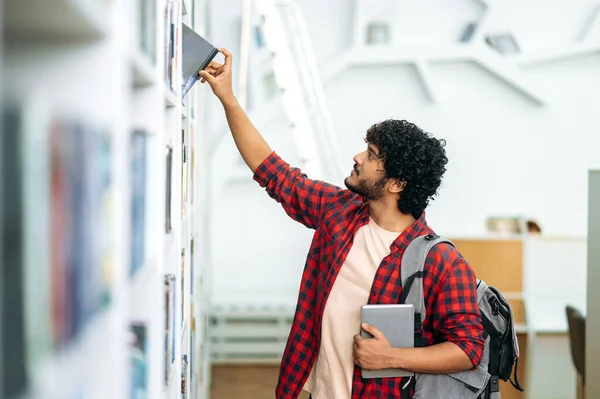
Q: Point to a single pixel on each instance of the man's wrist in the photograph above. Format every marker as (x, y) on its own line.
(398, 358)
(229, 101)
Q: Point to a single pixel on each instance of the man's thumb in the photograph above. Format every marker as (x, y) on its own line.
(207, 76)
(371, 330)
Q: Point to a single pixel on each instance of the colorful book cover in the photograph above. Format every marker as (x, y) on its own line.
(138, 351)
(59, 222)
(138, 199)
(183, 281)
(168, 186)
(170, 298)
(184, 166)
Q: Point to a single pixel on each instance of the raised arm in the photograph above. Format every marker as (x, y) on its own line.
(250, 143)
(303, 199)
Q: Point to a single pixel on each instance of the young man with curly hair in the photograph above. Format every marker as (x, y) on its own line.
(360, 235)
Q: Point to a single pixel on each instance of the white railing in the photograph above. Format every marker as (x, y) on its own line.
(297, 73)
(312, 85)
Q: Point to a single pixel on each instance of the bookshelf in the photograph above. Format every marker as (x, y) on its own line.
(58, 18)
(106, 233)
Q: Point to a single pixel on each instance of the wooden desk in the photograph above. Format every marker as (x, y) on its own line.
(498, 262)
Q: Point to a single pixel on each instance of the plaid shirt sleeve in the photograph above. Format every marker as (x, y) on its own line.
(302, 199)
(456, 311)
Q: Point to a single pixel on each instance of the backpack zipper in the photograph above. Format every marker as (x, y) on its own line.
(495, 306)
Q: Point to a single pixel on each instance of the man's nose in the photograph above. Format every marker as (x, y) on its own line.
(358, 158)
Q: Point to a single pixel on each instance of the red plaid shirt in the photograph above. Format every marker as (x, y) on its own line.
(336, 214)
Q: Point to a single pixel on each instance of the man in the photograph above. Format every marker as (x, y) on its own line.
(360, 236)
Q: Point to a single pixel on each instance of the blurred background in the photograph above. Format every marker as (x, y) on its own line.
(140, 259)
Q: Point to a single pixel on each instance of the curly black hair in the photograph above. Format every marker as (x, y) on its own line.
(413, 156)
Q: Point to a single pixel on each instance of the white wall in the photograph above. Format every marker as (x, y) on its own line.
(418, 23)
(258, 251)
(507, 156)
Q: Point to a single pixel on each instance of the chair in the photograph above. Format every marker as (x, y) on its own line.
(576, 323)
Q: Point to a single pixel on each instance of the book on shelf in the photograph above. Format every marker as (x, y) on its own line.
(197, 53)
(192, 12)
(184, 376)
(192, 102)
(192, 171)
(183, 281)
(81, 247)
(168, 186)
(172, 23)
(169, 335)
(138, 198)
(183, 175)
(61, 232)
(14, 352)
(191, 314)
(192, 266)
(192, 347)
(192, 323)
(138, 352)
(35, 180)
(147, 28)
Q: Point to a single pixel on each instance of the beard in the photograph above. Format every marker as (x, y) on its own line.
(371, 189)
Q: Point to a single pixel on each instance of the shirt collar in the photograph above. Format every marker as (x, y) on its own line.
(417, 229)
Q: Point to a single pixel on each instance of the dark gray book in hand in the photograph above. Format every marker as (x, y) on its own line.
(396, 322)
(196, 55)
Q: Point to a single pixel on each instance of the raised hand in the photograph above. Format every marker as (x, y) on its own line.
(218, 77)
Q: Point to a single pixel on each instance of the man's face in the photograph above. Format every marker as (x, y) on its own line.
(367, 177)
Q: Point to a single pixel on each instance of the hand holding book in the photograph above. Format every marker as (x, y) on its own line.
(252, 146)
(371, 353)
(218, 77)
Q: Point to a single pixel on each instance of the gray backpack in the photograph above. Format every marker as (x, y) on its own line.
(501, 349)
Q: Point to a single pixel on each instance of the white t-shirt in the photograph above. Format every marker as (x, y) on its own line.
(331, 375)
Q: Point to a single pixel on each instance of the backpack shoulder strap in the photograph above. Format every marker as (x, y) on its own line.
(411, 272)
(481, 288)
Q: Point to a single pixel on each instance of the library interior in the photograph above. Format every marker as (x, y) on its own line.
(142, 259)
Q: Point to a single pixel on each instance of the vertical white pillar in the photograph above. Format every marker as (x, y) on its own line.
(592, 347)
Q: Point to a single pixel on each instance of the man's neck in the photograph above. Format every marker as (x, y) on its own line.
(388, 217)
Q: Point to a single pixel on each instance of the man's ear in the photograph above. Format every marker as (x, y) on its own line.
(397, 185)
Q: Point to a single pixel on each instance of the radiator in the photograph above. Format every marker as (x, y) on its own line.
(249, 333)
